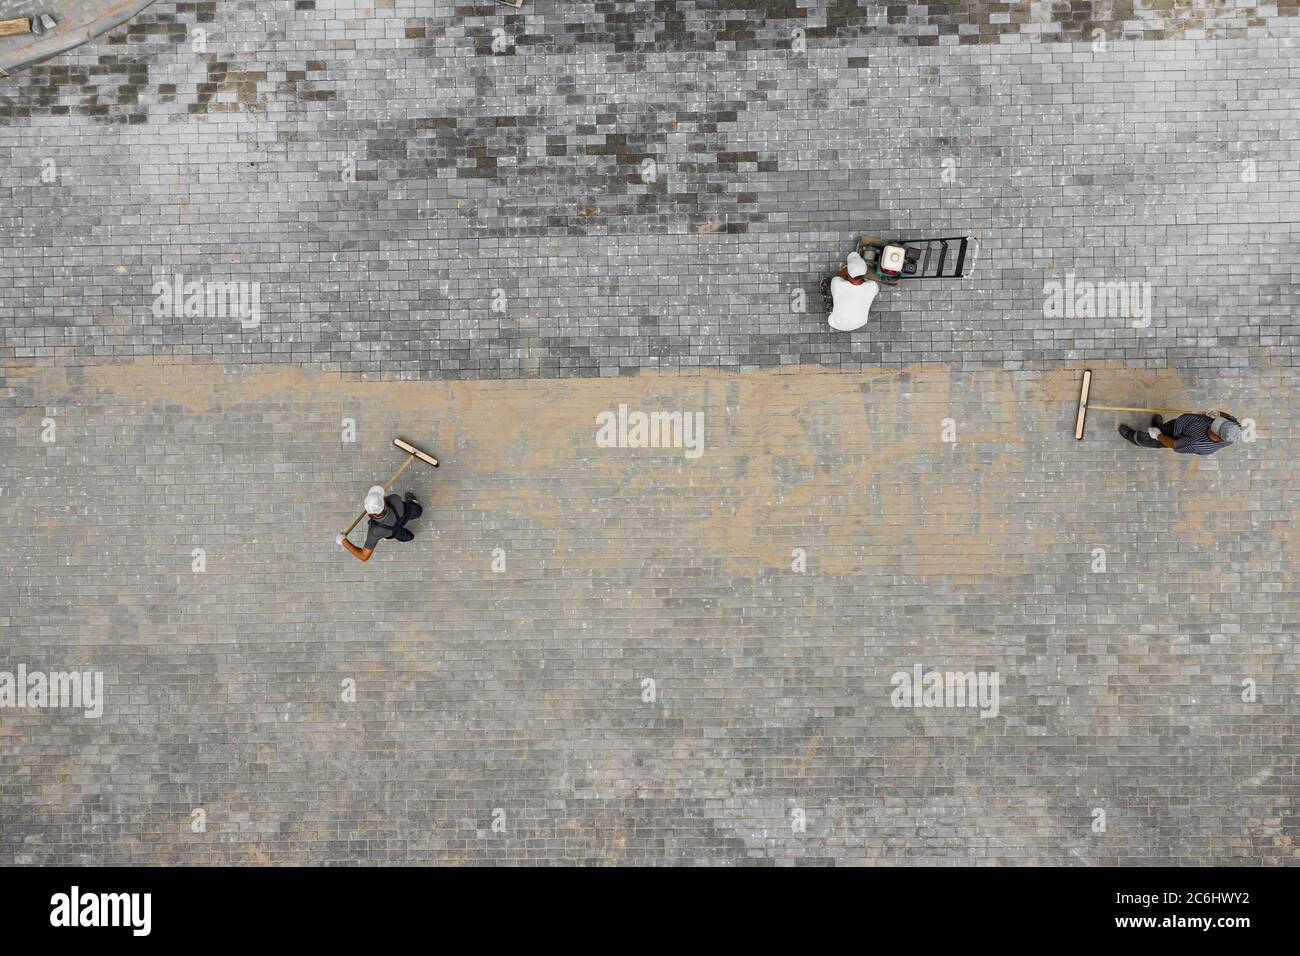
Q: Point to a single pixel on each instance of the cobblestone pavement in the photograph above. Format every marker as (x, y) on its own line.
(480, 229)
(75, 22)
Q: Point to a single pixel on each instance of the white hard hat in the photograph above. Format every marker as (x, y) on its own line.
(1227, 430)
(375, 500)
(857, 265)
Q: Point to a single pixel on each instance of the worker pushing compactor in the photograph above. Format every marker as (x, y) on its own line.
(849, 293)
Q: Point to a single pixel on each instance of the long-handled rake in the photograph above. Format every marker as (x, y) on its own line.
(1084, 406)
(412, 453)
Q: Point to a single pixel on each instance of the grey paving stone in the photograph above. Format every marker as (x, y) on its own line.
(467, 248)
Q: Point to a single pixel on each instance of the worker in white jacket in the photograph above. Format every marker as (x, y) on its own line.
(852, 294)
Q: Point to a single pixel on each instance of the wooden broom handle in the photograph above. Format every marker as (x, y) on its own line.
(409, 458)
(1130, 408)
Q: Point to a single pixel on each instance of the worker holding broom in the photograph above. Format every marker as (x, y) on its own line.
(389, 516)
(1188, 434)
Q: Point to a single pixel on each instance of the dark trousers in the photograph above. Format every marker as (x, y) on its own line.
(411, 510)
(1140, 436)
